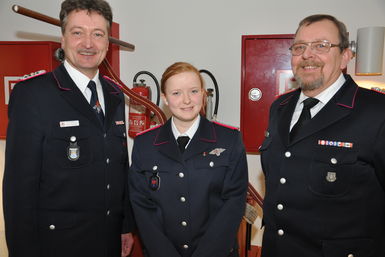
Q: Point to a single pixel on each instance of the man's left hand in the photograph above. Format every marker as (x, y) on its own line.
(127, 243)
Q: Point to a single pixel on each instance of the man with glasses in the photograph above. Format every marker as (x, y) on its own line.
(324, 155)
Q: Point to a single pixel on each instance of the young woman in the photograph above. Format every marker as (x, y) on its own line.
(188, 197)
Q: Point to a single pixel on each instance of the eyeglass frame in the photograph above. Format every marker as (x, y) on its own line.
(307, 44)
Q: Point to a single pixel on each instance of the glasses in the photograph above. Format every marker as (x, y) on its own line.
(319, 47)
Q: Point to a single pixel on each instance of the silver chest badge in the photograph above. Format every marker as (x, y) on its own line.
(217, 151)
(73, 150)
(331, 176)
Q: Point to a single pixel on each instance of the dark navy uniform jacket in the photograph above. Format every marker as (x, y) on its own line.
(197, 209)
(325, 190)
(55, 206)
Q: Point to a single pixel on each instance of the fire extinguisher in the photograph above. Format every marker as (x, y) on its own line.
(211, 110)
(139, 117)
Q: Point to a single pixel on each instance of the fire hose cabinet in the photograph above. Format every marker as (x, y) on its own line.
(19, 58)
(265, 74)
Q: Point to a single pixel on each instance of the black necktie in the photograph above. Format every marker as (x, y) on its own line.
(95, 101)
(304, 117)
(182, 142)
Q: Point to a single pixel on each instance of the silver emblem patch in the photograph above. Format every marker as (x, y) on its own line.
(331, 176)
(73, 150)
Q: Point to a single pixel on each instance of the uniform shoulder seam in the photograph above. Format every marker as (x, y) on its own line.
(148, 130)
(114, 82)
(225, 125)
(286, 92)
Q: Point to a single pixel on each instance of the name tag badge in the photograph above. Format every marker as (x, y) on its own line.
(69, 123)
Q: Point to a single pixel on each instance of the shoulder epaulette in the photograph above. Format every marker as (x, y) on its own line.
(225, 125)
(33, 75)
(378, 90)
(114, 82)
(149, 129)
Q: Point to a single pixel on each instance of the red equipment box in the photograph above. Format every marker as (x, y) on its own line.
(19, 58)
(266, 73)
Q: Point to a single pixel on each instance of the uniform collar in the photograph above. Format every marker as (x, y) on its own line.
(201, 142)
(190, 132)
(81, 80)
(332, 112)
(75, 98)
(328, 93)
(205, 132)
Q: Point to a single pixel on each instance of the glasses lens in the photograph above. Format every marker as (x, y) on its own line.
(297, 49)
(321, 47)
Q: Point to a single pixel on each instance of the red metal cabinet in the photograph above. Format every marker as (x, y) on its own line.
(19, 58)
(266, 73)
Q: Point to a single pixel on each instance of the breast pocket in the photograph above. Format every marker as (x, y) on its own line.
(69, 147)
(211, 170)
(332, 171)
(161, 176)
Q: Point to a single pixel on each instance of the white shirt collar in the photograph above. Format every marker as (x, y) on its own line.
(190, 132)
(79, 78)
(325, 96)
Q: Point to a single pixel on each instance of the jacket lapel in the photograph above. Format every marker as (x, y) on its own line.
(111, 101)
(203, 139)
(336, 109)
(166, 142)
(71, 93)
(285, 113)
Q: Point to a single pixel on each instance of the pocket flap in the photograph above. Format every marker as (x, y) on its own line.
(346, 247)
(57, 220)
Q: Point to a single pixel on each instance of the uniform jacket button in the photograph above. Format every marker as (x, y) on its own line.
(52, 227)
(181, 175)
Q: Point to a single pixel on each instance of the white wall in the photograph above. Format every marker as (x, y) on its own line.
(205, 33)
